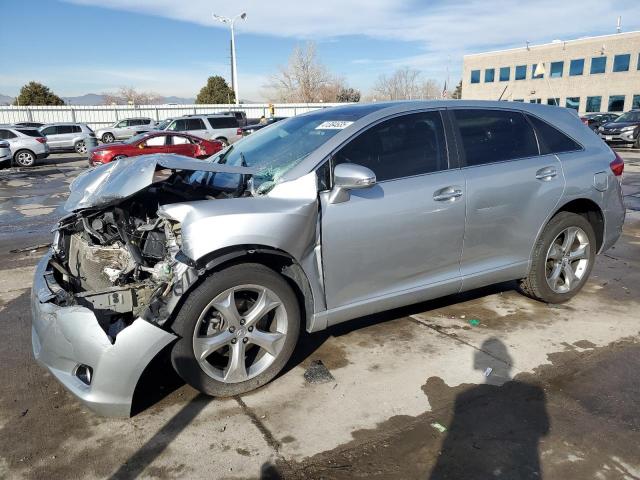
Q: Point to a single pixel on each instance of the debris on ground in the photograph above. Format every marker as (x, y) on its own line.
(438, 426)
(318, 373)
(474, 322)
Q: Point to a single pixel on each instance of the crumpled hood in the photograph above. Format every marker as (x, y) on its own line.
(116, 181)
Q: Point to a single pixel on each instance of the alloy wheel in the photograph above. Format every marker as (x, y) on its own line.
(25, 159)
(108, 138)
(81, 147)
(240, 333)
(567, 259)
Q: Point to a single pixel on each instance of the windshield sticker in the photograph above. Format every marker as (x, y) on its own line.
(334, 125)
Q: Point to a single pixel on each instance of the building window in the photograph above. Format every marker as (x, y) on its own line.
(505, 74)
(475, 76)
(553, 101)
(598, 64)
(556, 70)
(635, 104)
(616, 103)
(539, 73)
(572, 102)
(593, 104)
(621, 63)
(535, 100)
(521, 72)
(576, 67)
(489, 75)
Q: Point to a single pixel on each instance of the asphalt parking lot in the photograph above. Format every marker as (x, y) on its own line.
(410, 396)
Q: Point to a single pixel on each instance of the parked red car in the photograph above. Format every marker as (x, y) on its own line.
(155, 142)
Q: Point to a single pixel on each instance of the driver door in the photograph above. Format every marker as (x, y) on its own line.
(399, 241)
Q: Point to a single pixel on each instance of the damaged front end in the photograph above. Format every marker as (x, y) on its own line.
(114, 274)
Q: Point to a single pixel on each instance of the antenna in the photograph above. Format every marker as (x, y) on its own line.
(619, 25)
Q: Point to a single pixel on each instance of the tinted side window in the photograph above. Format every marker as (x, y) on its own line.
(30, 132)
(408, 145)
(495, 135)
(49, 130)
(195, 124)
(64, 129)
(6, 134)
(76, 129)
(551, 139)
(178, 125)
(223, 122)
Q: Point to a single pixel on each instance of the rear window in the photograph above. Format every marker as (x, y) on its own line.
(29, 131)
(551, 139)
(223, 122)
(490, 136)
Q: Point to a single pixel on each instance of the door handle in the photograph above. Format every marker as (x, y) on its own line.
(546, 173)
(448, 193)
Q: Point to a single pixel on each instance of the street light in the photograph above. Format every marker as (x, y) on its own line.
(234, 69)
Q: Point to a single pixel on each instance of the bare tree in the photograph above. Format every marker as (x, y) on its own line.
(304, 79)
(129, 95)
(405, 84)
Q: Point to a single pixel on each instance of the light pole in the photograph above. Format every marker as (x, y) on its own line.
(234, 68)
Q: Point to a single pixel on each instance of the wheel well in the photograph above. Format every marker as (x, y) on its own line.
(591, 212)
(277, 260)
(222, 138)
(15, 155)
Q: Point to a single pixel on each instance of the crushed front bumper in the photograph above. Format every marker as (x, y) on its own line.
(65, 338)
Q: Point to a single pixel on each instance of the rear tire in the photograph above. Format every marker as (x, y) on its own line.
(24, 158)
(563, 258)
(80, 147)
(108, 138)
(238, 329)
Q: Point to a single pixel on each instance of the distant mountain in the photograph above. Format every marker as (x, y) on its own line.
(6, 100)
(87, 99)
(179, 100)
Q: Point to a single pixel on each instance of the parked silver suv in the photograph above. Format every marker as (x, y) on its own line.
(220, 126)
(27, 144)
(308, 223)
(123, 129)
(68, 137)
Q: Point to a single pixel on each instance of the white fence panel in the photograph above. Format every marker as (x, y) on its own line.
(97, 116)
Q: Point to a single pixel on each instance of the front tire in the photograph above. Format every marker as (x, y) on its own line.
(238, 329)
(563, 258)
(24, 158)
(108, 138)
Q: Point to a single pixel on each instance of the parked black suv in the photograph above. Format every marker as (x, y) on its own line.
(624, 129)
(594, 120)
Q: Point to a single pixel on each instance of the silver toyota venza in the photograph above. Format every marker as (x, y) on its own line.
(310, 222)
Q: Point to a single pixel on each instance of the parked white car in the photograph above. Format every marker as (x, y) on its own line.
(5, 154)
(68, 137)
(222, 127)
(27, 145)
(123, 129)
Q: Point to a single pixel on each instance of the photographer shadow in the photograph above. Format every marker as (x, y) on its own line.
(496, 427)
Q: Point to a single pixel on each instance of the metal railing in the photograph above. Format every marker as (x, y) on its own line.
(103, 115)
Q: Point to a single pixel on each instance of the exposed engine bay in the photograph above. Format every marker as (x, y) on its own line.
(120, 260)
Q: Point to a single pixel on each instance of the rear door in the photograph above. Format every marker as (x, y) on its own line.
(182, 145)
(66, 135)
(511, 190)
(392, 241)
(224, 127)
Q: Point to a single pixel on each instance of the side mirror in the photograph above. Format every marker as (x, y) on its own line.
(350, 176)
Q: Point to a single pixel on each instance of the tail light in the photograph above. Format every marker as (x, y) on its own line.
(41, 139)
(239, 132)
(617, 166)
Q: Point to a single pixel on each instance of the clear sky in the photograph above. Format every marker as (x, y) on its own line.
(170, 47)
